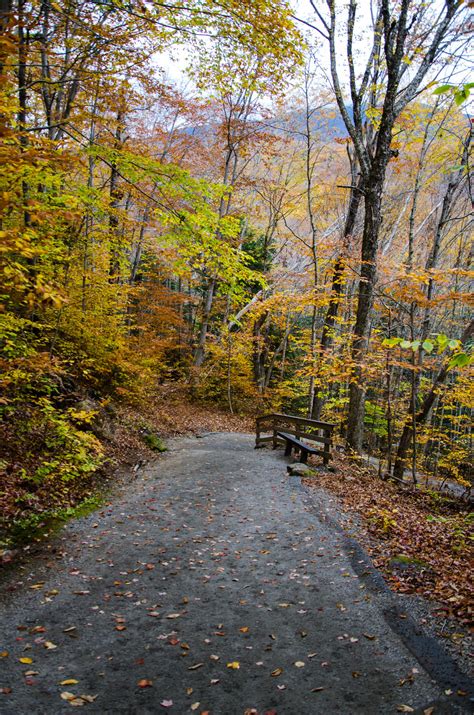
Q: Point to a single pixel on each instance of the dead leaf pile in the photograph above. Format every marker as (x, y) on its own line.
(402, 527)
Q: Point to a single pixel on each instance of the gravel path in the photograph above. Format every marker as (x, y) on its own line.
(213, 584)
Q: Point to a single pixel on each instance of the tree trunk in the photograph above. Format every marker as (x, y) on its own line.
(206, 314)
(5, 21)
(116, 196)
(337, 287)
(431, 263)
(372, 222)
(259, 349)
(224, 207)
(23, 42)
(425, 409)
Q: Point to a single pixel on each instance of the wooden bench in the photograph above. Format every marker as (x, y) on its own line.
(292, 443)
(291, 430)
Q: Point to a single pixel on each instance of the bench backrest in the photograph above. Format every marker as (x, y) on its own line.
(300, 427)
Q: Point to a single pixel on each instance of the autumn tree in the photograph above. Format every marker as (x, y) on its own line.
(408, 40)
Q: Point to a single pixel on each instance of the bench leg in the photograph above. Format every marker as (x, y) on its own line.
(327, 449)
(288, 449)
(304, 456)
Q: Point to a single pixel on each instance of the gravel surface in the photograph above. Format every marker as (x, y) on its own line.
(214, 583)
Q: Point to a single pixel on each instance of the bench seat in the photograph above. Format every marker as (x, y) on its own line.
(293, 442)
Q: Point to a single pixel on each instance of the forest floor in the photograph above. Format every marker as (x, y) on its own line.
(214, 583)
(419, 537)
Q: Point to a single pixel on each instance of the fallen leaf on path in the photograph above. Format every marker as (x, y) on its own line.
(145, 683)
(278, 671)
(5, 691)
(50, 646)
(405, 709)
(195, 706)
(244, 629)
(166, 703)
(69, 681)
(317, 690)
(235, 665)
(195, 667)
(77, 700)
(25, 660)
(4, 654)
(299, 664)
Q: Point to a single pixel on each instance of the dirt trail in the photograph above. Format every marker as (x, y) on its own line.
(213, 579)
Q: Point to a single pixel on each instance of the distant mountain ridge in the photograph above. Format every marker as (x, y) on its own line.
(327, 123)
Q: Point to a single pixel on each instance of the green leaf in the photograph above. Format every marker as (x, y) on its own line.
(427, 346)
(442, 341)
(459, 360)
(453, 344)
(461, 96)
(443, 89)
(415, 345)
(405, 344)
(391, 342)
